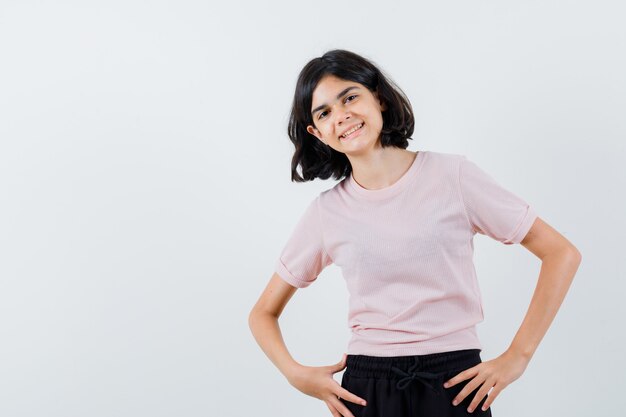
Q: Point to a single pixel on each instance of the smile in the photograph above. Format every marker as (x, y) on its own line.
(352, 133)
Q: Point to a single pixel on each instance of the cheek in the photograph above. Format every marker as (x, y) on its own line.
(374, 116)
(376, 122)
(379, 117)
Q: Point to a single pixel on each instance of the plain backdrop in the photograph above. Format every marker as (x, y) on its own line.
(145, 192)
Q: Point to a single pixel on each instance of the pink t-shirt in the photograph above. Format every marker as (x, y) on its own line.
(405, 252)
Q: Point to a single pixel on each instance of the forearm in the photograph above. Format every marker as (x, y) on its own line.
(266, 331)
(556, 275)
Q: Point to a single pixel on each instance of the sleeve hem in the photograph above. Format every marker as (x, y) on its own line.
(523, 228)
(288, 277)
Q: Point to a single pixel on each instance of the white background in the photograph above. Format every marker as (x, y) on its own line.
(145, 192)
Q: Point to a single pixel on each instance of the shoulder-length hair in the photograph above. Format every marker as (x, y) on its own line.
(319, 160)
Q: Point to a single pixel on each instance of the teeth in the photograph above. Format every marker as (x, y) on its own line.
(352, 130)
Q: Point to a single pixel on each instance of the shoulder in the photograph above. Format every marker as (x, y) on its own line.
(444, 157)
(442, 164)
(332, 195)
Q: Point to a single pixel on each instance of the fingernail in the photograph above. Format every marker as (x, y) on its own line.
(446, 385)
(455, 402)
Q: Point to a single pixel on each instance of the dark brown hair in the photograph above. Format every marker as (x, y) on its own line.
(319, 160)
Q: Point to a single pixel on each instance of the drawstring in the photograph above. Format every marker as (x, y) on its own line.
(422, 377)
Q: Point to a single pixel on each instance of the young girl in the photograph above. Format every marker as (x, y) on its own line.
(400, 225)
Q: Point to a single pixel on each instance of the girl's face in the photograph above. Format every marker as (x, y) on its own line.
(339, 106)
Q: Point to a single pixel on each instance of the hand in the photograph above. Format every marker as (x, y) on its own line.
(497, 373)
(318, 382)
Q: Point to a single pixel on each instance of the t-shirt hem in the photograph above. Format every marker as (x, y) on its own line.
(410, 351)
(466, 338)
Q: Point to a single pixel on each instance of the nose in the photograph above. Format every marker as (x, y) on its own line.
(342, 115)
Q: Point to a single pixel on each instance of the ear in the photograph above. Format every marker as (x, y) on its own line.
(313, 131)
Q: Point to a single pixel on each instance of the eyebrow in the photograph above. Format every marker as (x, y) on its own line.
(343, 92)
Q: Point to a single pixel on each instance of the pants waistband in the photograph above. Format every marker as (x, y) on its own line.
(387, 367)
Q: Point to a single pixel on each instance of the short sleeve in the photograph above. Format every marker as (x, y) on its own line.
(491, 209)
(303, 257)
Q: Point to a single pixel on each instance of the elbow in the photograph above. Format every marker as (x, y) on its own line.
(576, 255)
(252, 322)
(572, 256)
(255, 315)
(252, 316)
(567, 254)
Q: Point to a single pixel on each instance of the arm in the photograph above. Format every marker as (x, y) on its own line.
(559, 263)
(263, 322)
(317, 382)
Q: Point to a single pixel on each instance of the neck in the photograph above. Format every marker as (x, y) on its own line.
(381, 167)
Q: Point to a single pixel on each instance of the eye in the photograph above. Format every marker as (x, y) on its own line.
(321, 115)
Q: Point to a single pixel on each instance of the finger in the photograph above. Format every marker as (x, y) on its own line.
(491, 397)
(482, 392)
(332, 409)
(466, 374)
(340, 365)
(341, 407)
(348, 396)
(467, 389)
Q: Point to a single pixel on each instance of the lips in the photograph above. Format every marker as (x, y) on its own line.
(354, 133)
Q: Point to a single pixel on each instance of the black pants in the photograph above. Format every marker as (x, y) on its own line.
(411, 386)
